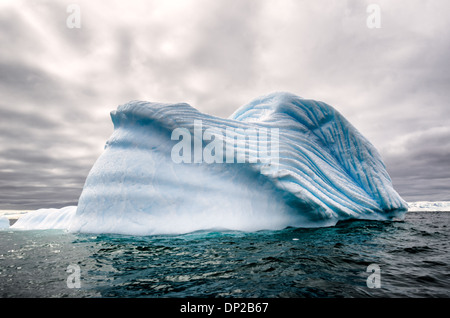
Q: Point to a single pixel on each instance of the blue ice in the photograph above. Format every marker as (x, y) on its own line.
(325, 171)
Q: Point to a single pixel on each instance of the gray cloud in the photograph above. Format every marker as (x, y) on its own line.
(419, 163)
(58, 85)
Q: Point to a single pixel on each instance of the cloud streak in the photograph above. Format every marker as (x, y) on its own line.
(58, 85)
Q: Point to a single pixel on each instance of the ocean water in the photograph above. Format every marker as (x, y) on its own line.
(413, 257)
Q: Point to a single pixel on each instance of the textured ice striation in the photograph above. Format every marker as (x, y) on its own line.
(43, 219)
(325, 171)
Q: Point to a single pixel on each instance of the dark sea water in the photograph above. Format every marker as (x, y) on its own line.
(413, 257)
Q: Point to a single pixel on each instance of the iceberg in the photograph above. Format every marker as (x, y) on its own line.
(279, 161)
(4, 222)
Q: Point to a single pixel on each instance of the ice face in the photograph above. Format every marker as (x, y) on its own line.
(278, 161)
(43, 219)
(4, 222)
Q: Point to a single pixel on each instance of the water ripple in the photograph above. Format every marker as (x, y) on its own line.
(413, 256)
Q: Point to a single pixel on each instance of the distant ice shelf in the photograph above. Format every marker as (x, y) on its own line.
(430, 206)
(153, 179)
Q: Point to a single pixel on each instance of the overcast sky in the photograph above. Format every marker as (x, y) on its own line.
(58, 84)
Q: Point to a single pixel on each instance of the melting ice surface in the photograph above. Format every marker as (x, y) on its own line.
(326, 171)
